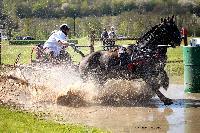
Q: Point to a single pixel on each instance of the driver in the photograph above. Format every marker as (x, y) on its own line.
(57, 41)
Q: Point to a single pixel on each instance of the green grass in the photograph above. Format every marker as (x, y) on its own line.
(11, 52)
(176, 67)
(13, 121)
(175, 54)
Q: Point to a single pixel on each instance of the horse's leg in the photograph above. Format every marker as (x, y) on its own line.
(153, 83)
(163, 74)
(167, 101)
(164, 79)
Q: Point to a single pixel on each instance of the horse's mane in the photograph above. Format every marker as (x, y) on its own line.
(154, 36)
(147, 34)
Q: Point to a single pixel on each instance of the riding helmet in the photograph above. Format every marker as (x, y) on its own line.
(64, 27)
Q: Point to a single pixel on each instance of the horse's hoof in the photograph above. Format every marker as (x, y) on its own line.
(168, 102)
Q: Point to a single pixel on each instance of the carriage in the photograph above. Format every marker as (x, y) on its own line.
(44, 56)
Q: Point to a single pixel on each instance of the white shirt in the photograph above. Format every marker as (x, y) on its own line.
(52, 42)
(112, 34)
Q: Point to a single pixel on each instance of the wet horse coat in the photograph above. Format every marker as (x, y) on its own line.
(148, 58)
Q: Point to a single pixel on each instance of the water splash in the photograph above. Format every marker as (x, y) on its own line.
(124, 92)
(63, 86)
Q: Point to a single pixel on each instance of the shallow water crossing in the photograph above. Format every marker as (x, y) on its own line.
(182, 116)
(146, 116)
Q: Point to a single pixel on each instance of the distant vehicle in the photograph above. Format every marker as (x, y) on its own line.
(19, 38)
(4, 38)
(28, 38)
(121, 37)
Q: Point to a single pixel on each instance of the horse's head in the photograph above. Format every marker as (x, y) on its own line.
(170, 32)
(165, 33)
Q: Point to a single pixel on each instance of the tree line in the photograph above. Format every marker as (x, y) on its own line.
(38, 18)
(83, 8)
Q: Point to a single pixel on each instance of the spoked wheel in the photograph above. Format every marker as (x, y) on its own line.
(64, 57)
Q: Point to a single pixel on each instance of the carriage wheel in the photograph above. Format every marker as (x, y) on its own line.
(65, 57)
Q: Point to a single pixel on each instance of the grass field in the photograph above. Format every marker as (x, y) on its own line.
(175, 57)
(14, 121)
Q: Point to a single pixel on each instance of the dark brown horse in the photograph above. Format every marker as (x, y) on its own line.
(146, 59)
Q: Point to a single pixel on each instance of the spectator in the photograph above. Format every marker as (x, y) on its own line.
(112, 36)
(184, 34)
(104, 38)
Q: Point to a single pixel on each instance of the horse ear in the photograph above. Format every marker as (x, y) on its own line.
(172, 20)
(161, 20)
(165, 21)
(173, 16)
(168, 18)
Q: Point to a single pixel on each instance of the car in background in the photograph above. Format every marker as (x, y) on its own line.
(18, 38)
(28, 38)
(24, 38)
(4, 37)
(121, 37)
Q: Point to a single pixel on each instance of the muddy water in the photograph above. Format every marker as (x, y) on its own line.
(182, 116)
(146, 116)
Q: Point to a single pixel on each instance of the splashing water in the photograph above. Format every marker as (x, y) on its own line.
(63, 86)
(45, 84)
(124, 92)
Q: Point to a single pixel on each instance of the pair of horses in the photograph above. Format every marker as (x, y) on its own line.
(147, 59)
